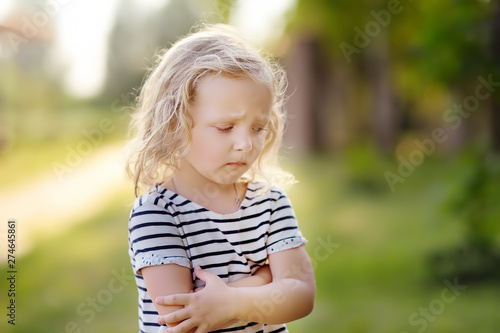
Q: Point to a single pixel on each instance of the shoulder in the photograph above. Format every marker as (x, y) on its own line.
(266, 191)
(156, 200)
(152, 209)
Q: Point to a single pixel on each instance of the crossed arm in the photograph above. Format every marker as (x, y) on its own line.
(287, 297)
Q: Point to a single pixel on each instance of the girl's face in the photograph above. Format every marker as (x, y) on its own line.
(230, 118)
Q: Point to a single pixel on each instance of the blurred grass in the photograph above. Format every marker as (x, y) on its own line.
(372, 282)
(65, 272)
(378, 276)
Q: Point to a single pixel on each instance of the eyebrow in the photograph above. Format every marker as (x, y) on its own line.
(240, 115)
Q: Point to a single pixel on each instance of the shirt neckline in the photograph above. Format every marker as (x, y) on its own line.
(178, 199)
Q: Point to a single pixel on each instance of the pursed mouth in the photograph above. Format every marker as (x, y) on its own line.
(240, 164)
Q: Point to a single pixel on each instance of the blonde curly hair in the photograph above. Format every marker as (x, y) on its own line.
(161, 123)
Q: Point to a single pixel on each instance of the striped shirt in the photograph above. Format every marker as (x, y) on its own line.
(166, 228)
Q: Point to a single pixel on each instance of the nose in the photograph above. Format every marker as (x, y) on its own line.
(243, 143)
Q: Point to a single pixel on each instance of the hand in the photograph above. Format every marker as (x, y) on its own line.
(198, 289)
(205, 310)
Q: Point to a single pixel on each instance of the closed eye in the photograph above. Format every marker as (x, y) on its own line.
(224, 129)
(259, 129)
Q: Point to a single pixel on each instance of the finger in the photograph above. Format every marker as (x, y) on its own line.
(177, 299)
(174, 317)
(204, 275)
(183, 327)
(201, 329)
(199, 289)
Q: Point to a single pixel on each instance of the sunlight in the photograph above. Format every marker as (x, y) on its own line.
(83, 29)
(271, 20)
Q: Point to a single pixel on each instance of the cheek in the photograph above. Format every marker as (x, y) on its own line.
(259, 143)
(205, 147)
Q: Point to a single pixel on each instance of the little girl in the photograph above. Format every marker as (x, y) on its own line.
(213, 244)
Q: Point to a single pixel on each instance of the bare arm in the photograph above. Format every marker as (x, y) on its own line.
(164, 280)
(261, 277)
(288, 297)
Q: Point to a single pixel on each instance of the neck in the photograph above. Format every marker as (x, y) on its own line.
(220, 198)
(192, 181)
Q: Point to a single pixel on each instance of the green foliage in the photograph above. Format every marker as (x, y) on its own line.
(448, 40)
(432, 52)
(365, 166)
(452, 39)
(333, 21)
(476, 198)
(224, 9)
(474, 201)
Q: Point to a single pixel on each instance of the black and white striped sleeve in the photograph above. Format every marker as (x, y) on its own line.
(154, 238)
(284, 232)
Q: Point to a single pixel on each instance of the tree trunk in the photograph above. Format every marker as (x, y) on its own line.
(385, 114)
(495, 105)
(299, 134)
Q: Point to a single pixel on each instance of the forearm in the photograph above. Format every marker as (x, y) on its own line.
(251, 281)
(279, 302)
(260, 278)
(288, 297)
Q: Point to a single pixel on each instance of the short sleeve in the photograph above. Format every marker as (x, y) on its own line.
(284, 232)
(154, 238)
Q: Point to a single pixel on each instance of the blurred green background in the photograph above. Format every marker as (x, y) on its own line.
(394, 136)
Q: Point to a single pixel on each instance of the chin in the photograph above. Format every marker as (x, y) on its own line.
(229, 178)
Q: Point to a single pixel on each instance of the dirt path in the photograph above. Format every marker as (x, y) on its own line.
(46, 205)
